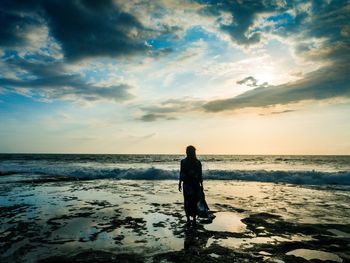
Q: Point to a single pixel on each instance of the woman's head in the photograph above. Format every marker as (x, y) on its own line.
(191, 152)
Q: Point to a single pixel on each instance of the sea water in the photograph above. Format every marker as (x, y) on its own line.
(295, 169)
(66, 204)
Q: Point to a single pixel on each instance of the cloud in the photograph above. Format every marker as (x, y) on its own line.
(170, 109)
(243, 17)
(281, 112)
(150, 117)
(276, 112)
(316, 30)
(14, 25)
(49, 80)
(252, 82)
(326, 83)
(249, 81)
(82, 28)
(304, 23)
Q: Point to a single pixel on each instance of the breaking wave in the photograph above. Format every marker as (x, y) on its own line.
(89, 173)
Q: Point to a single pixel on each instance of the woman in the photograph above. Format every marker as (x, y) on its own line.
(191, 176)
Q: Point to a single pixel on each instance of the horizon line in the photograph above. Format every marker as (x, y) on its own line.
(245, 154)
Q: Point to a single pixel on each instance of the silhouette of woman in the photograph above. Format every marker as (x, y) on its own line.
(191, 176)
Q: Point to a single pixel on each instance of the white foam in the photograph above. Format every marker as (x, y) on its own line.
(155, 168)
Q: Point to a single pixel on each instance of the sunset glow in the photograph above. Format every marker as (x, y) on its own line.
(267, 77)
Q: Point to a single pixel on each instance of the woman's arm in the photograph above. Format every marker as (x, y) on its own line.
(200, 174)
(181, 175)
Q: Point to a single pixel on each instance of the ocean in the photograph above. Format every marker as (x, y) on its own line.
(294, 169)
(127, 208)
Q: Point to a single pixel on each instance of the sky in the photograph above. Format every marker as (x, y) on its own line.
(227, 76)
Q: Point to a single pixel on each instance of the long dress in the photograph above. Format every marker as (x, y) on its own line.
(191, 175)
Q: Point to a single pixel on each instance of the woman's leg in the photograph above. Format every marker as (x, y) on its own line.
(188, 220)
(186, 203)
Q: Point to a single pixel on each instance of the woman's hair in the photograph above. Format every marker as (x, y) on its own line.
(191, 152)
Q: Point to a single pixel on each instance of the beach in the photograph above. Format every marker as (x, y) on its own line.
(143, 221)
(74, 217)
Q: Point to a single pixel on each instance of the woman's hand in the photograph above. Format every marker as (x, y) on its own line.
(179, 187)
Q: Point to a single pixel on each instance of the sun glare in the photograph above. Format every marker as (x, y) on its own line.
(265, 77)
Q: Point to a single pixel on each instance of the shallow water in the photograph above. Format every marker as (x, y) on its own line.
(248, 242)
(145, 217)
(228, 222)
(309, 254)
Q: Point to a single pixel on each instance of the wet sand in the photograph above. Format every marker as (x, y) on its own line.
(143, 221)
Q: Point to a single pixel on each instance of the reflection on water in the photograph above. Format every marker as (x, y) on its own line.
(236, 243)
(228, 222)
(193, 242)
(147, 217)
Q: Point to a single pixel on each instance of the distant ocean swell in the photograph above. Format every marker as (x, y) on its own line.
(293, 177)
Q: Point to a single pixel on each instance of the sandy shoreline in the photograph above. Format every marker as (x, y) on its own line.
(143, 221)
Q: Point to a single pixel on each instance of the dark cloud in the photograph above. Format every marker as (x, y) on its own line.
(281, 112)
(150, 117)
(94, 28)
(276, 112)
(50, 81)
(252, 82)
(326, 20)
(244, 14)
(15, 26)
(318, 29)
(302, 20)
(249, 81)
(325, 83)
(170, 109)
(83, 28)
